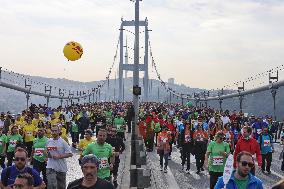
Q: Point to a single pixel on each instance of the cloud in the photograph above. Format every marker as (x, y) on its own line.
(218, 40)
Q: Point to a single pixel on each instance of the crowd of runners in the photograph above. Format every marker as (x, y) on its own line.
(34, 144)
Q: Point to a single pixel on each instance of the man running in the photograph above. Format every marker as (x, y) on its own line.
(241, 178)
(90, 165)
(104, 152)
(58, 151)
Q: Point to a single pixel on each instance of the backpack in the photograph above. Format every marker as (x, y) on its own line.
(8, 174)
(260, 140)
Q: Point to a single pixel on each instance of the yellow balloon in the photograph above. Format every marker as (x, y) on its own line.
(73, 51)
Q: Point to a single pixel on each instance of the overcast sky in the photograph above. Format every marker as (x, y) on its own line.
(201, 43)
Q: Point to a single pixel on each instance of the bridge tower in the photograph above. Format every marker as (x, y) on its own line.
(123, 63)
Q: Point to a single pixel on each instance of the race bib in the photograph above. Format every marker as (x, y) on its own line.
(266, 142)
(103, 163)
(164, 139)
(13, 143)
(187, 138)
(199, 139)
(118, 127)
(52, 148)
(258, 131)
(218, 160)
(39, 151)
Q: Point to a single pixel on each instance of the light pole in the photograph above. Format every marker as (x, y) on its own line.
(136, 66)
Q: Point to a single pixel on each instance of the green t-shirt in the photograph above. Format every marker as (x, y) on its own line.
(216, 162)
(118, 123)
(74, 127)
(3, 141)
(39, 146)
(103, 152)
(241, 184)
(108, 114)
(12, 141)
(157, 127)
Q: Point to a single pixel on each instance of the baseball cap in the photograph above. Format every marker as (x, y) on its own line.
(90, 159)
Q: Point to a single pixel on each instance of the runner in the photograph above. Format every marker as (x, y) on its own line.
(117, 144)
(187, 146)
(200, 139)
(216, 155)
(3, 142)
(86, 141)
(163, 148)
(120, 125)
(74, 130)
(104, 152)
(267, 148)
(39, 153)
(58, 151)
(249, 144)
(13, 140)
(242, 178)
(90, 166)
(10, 173)
(29, 131)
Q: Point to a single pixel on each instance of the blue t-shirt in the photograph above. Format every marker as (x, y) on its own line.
(266, 145)
(15, 172)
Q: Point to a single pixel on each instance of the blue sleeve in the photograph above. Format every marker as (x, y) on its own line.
(259, 185)
(37, 178)
(3, 174)
(219, 184)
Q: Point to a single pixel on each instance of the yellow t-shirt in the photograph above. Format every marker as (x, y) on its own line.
(29, 131)
(54, 122)
(84, 143)
(64, 135)
(35, 122)
(56, 114)
(22, 119)
(19, 123)
(41, 116)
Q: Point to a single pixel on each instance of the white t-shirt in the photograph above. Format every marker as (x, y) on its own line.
(57, 147)
(1, 123)
(225, 120)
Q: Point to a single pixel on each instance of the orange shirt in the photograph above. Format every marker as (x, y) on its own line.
(164, 139)
(200, 135)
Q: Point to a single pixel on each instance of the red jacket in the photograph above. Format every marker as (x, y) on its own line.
(250, 146)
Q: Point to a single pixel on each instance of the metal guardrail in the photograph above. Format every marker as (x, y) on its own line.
(271, 86)
(28, 91)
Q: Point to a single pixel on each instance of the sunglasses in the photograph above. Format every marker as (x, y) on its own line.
(244, 164)
(20, 159)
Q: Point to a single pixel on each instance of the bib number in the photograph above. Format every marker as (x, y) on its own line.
(104, 163)
(187, 138)
(218, 160)
(39, 151)
(266, 142)
(118, 127)
(13, 143)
